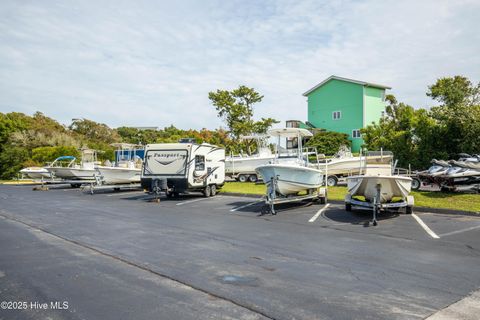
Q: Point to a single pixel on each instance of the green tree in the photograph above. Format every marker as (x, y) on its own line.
(417, 136)
(92, 130)
(235, 107)
(11, 160)
(328, 142)
(43, 155)
(458, 114)
(456, 91)
(395, 132)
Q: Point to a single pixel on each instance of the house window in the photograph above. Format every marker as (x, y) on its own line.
(199, 163)
(336, 115)
(292, 143)
(293, 124)
(356, 133)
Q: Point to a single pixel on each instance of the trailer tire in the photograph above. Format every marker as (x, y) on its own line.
(252, 178)
(242, 178)
(323, 200)
(416, 184)
(213, 190)
(348, 207)
(207, 192)
(408, 210)
(76, 185)
(332, 181)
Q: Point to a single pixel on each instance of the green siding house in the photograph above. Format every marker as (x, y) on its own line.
(345, 105)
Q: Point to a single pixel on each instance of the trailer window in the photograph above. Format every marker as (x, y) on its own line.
(199, 163)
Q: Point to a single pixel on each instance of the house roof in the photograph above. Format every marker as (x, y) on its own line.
(368, 84)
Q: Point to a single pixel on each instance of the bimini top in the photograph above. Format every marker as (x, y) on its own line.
(289, 132)
(65, 158)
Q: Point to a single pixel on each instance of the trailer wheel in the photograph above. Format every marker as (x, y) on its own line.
(75, 185)
(332, 181)
(408, 210)
(213, 190)
(207, 191)
(252, 178)
(323, 200)
(348, 206)
(416, 184)
(242, 178)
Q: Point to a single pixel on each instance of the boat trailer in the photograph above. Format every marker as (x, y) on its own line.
(45, 183)
(91, 185)
(94, 186)
(272, 197)
(376, 205)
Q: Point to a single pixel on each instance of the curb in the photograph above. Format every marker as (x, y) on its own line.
(418, 209)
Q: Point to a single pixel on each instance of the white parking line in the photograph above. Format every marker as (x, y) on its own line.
(319, 212)
(244, 206)
(190, 201)
(425, 227)
(123, 193)
(459, 231)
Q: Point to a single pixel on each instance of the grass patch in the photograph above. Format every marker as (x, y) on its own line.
(431, 199)
(26, 181)
(455, 201)
(244, 187)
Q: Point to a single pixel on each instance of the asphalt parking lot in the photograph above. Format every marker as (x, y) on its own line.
(120, 256)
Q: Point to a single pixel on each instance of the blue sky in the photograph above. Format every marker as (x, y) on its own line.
(152, 63)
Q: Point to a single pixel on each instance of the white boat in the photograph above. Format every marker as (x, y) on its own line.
(391, 187)
(127, 169)
(66, 168)
(242, 167)
(380, 190)
(35, 172)
(119, 175)
(344, 164)
(288, 175)
(291, 178)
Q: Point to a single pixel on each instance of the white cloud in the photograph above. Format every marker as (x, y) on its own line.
(150, 63)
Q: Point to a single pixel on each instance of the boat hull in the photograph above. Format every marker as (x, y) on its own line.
(391, 186)
(341, 167)
(291, 179)
(72, 173)
(353, 165)
(36, 173)
(118, 175)
(238, 165)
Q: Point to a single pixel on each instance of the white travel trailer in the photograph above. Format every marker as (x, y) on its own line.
(176, 168)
